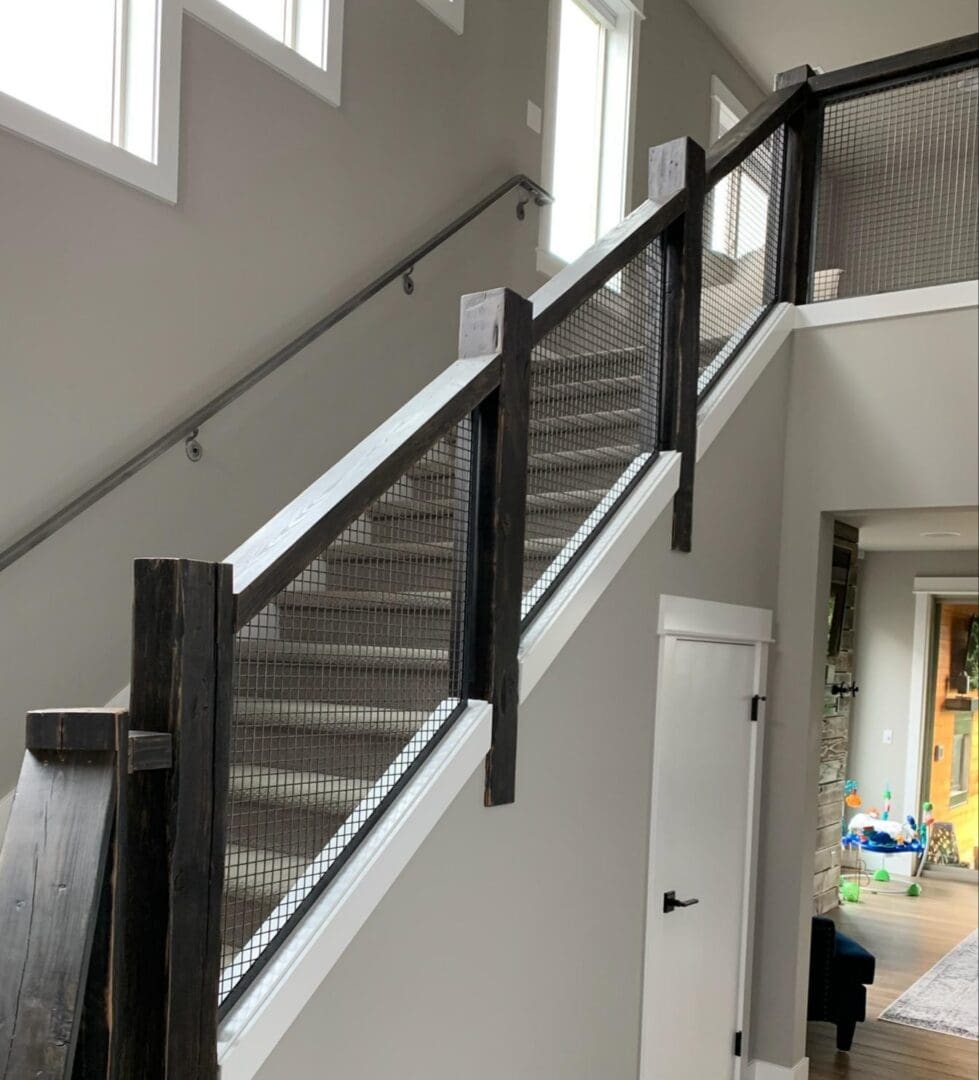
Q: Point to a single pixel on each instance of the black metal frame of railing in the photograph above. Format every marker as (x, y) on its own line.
(132, 957)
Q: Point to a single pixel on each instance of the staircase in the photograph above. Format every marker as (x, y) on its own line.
(283, 699)
(337, 675)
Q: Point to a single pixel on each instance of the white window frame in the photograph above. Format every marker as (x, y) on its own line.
(159, 177)
(721, 94)
(451, 12)
(622, 18)
(324, 82)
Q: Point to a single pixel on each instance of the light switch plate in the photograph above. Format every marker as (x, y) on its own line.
(888, 736)
(534, 117)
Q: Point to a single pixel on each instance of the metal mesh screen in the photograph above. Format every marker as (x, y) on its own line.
(741, 241)
(341, 683)
(594, 416)
(898, 204)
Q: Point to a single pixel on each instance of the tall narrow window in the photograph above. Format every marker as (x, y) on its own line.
(589, 121)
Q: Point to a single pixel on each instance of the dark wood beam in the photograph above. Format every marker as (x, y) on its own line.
(500, 318)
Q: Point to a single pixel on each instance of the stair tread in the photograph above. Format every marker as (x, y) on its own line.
(256, 872)
(601, 455)
(345, 718)
(538, 500)
(300, 651)
(371, 552)
(420, 599)
(260, 783)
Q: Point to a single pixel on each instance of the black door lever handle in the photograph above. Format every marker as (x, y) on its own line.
(670, 902)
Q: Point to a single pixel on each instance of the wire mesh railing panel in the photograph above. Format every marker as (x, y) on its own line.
(594, 416)
(341, 685)
(898, 202)
(741, 244)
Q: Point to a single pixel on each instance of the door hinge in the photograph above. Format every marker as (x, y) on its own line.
(754, 706)
(737, 1044)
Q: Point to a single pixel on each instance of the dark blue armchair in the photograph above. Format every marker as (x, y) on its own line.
(839, 972)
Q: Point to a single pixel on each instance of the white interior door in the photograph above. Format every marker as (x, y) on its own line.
(703, 825)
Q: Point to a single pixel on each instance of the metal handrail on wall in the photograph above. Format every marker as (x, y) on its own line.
(187, 429)
(165, 766)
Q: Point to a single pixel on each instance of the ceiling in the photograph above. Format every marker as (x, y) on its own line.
(908, 530)
(768, 38)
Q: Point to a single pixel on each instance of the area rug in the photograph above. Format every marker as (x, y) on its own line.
(945, 999)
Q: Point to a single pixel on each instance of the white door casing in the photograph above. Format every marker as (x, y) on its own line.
(704, 810)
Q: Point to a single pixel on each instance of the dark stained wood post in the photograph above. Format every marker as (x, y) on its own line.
(173, 874)
(52, 870)
(675, 166)
(798, 191)
(499, 322)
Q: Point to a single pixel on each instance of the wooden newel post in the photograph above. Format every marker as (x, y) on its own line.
(173, 869)
(675, 166)
(54, 872)
(798, 191)
(501, 322)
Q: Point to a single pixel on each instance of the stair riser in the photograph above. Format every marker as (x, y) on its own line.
(277, 746)
(383, 686)
(551, 477)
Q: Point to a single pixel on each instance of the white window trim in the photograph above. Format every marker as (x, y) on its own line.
(721, 94)
(159, 178)
(608, 12)
(323, 82)
(451, 12)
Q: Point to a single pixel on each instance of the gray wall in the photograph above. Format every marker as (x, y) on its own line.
(678, 56)
(885, 632)
(870, 408)
(119, 314)
(512, 943)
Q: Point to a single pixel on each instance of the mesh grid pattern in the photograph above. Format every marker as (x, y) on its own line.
(340, 683)
(594, 415)
(898, 204)
(741, 242)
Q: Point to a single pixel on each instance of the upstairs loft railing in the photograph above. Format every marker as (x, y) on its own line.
(281, 700)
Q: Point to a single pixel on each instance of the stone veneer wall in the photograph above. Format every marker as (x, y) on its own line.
(834, 746)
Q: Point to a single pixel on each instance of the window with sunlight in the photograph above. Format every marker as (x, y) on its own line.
(590, 124)
(90, 64)
(300, 25)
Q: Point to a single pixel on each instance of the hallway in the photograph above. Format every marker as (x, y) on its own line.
(907, 936)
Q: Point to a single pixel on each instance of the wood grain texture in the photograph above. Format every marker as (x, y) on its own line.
(182, 642)
(900, 65)
(674, 166)
(287, 544)
(908, 936)
(503, 421)
(51, 872)
(568, 289)
(732, 148)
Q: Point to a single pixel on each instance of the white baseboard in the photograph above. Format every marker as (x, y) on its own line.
(764, 1070)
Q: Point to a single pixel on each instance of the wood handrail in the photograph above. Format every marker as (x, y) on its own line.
(903, 65)
(266, 562)
(732, 148)
(576, 282)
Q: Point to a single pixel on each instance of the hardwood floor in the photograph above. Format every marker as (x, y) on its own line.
(907, 936)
